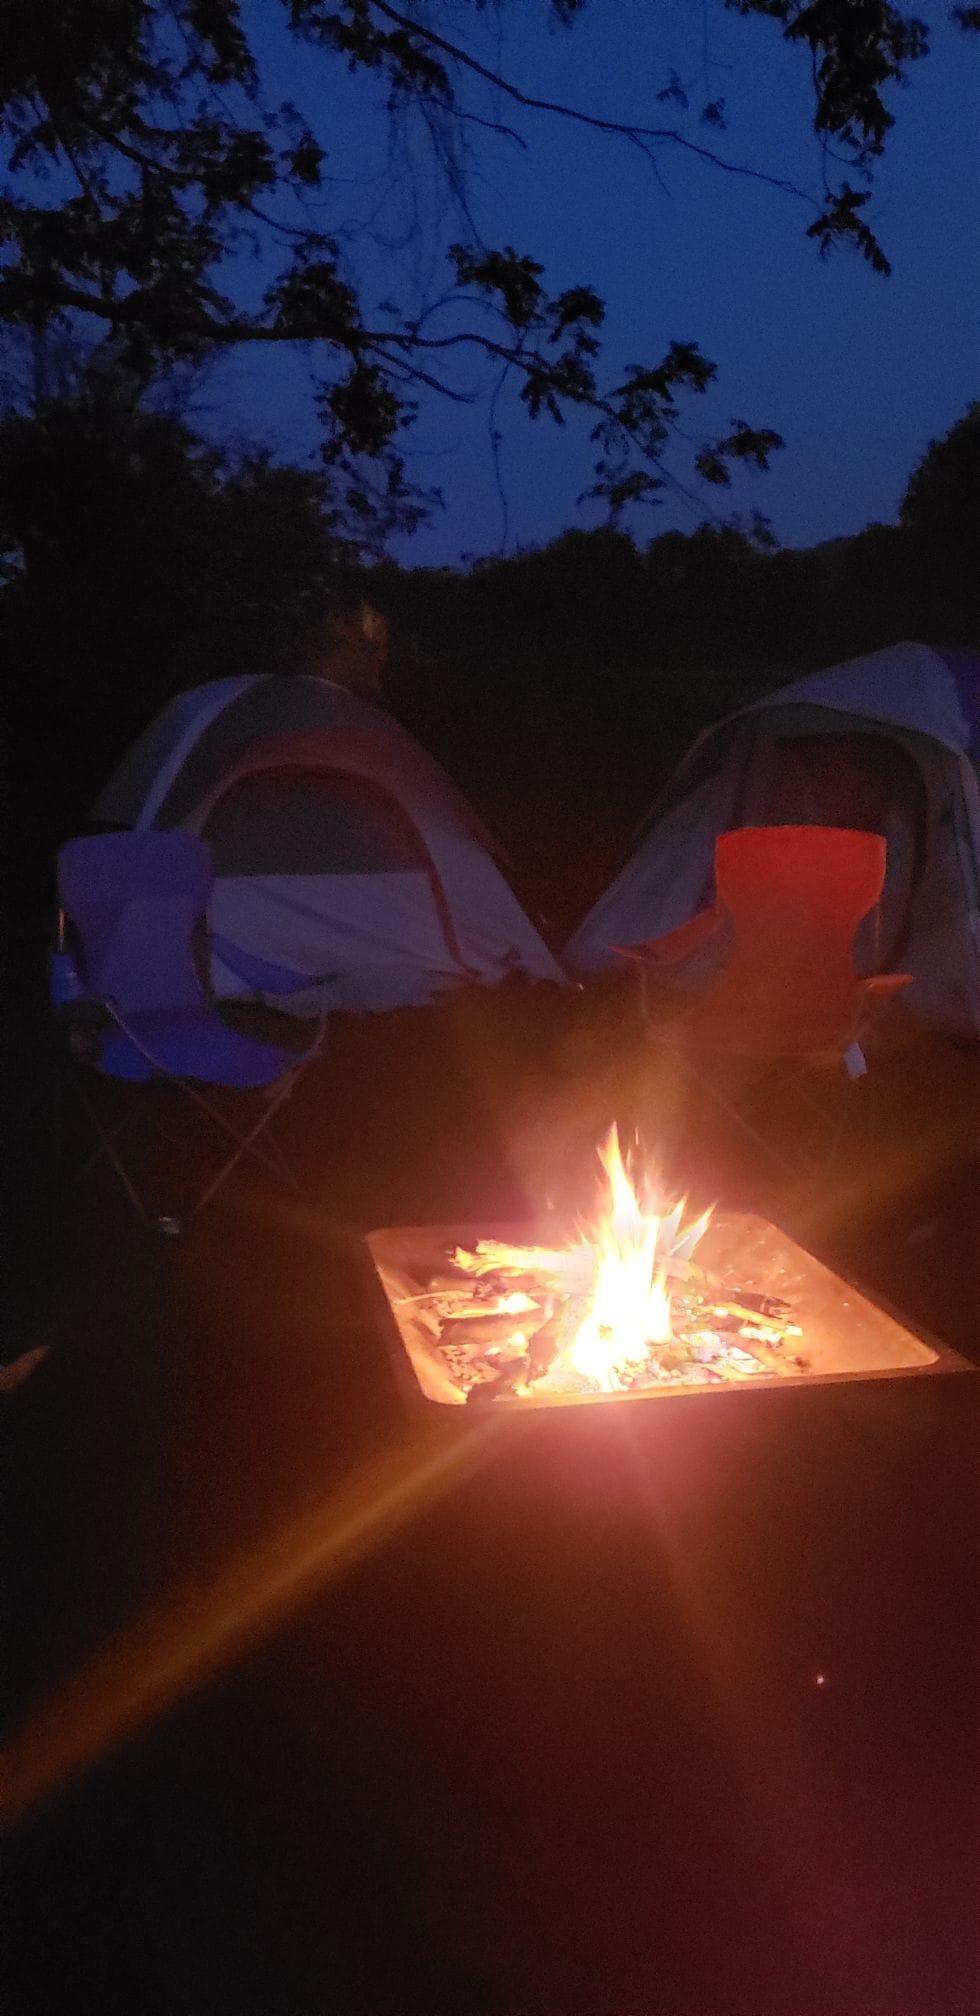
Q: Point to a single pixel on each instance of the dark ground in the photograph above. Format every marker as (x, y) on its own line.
(552, 1744)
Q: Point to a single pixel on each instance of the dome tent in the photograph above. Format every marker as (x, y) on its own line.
(342, 851)
(888, 743)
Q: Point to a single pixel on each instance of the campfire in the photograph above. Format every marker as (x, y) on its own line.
(640, 1299)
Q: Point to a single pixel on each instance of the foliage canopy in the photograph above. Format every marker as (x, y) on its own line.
(145, 153)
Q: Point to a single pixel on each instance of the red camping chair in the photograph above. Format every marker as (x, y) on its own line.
(783, 991)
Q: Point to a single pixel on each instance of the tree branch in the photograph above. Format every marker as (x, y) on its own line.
(620, 129)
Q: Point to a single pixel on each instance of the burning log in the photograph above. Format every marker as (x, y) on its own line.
(473, 1334)
(507, 1352)
(542, 1348)
(503, 1381)
(753, 1306)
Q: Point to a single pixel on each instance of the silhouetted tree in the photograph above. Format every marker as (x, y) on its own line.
(145, 154)
(940, 514)
(137, 561)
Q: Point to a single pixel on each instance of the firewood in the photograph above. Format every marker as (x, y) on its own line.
(474, 1333)
(742, 1313)
(19, 1369)
(542, 1347)
(503, 1381)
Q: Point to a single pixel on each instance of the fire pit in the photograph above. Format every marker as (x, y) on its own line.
(641, 1303)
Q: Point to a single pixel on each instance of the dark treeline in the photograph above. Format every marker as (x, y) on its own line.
(559, 685)
(593, 654)
(592, 663)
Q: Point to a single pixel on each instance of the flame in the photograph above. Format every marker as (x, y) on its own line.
(629, 1312)
(621, 1267)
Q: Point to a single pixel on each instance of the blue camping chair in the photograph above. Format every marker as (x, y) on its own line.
(126, 979)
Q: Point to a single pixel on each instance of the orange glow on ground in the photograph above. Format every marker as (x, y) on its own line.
(163, 1656)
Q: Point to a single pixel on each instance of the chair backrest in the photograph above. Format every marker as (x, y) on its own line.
(135, 900)
(795, 896)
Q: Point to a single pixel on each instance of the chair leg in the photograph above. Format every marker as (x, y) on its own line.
(818, 1169)
(733, 1113)
(234, 1134)
(105, 1145)
(269, 1153)
(227, 1169)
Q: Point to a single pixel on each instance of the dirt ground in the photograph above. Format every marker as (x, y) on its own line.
(322, 1710)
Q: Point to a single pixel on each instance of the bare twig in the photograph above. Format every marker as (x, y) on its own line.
(621, 129)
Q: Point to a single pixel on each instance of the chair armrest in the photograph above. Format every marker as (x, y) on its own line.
(673, 946)
(65, 984)
(261, 974)
(881, 986)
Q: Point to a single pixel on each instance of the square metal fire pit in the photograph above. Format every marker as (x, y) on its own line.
(845, 1336)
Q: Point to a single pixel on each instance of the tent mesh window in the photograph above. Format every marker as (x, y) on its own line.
(867, 783)
(269, 707)
(309, 822)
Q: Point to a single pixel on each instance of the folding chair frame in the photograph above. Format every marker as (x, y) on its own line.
(134, 903)
(247, 1142)
(845, 1055)
(770, 1069)
(268, 1153)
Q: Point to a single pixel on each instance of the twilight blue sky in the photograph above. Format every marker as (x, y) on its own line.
(857, 372)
